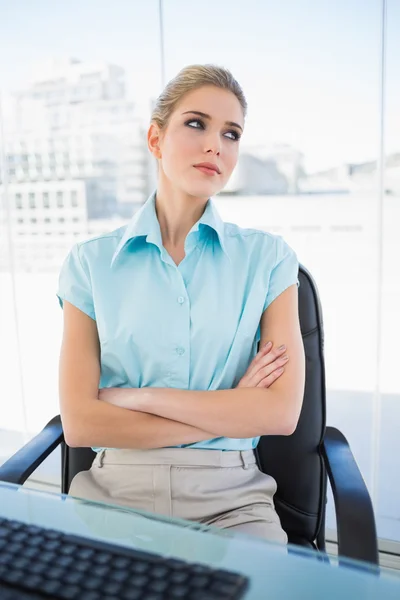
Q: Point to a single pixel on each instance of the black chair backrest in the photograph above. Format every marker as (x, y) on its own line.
(294, 461)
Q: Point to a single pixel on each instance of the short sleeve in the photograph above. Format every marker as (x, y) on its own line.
(284, 273)
(74, 283)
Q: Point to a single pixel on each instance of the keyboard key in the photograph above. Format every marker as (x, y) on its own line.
(34, 541)
(13, 576)
(47, 557)
(73, 577)
(121, 562)
(138, 581)
(14, 525)
(111, 588)
(92, 596)
(102, 558)
(21, 563)
(52, 534)
(158, 586)
(85, 553)
(179, 591)
(200, 581)
(83, 566)
(174, 563)
(119, 575)
(53, 544)
(158, 571)
(67, 549)
(139, 567)
(33, 529)
(100, 570)
(33, 582)
(92, 583)
(70, 592)
(179, 576)
(50, 587)
(37, 568)
(31, 552)
(132, 594)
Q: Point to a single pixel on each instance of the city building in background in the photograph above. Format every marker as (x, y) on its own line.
(75, 154)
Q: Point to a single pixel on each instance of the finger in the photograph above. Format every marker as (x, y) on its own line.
(269, 380)
(255, 363)
(265, 367)
(262, 351)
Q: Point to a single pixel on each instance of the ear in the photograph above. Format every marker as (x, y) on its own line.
(154, 139)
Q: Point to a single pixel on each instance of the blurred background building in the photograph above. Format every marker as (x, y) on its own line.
(75, 156)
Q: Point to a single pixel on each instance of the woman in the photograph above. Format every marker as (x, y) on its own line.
(164, 315)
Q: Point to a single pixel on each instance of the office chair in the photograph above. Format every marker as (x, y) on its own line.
(300, 463)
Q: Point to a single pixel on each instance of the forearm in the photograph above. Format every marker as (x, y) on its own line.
(104, 425)
(235, 413)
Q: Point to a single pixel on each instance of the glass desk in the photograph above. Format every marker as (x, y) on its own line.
(275, 571)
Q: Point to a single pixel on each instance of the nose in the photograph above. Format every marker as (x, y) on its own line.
(213, 144)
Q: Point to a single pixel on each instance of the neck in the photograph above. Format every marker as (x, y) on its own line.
(177, 212)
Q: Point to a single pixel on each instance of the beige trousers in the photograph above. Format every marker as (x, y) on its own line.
(225, 489)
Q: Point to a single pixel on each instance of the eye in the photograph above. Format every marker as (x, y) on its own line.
(235, 134)
(189, 123)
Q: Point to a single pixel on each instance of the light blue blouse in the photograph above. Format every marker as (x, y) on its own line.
(194, 326)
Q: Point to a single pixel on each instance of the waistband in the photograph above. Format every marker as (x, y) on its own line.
(192, 457)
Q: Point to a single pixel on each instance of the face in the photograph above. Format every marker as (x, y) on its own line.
(192, 138)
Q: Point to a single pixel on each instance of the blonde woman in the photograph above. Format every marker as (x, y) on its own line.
(159, 369)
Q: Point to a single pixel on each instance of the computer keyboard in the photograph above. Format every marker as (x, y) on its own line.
(37, 563)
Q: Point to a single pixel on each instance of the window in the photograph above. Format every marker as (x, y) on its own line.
(60, 200)
(310, 158)
(46, 200)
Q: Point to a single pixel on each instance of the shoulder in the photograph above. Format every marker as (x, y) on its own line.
(99, 247)
(256, 239)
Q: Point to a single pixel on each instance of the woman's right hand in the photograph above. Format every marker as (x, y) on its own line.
(267, 365)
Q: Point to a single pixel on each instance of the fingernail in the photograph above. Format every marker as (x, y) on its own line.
(283, 347)
(267, 344)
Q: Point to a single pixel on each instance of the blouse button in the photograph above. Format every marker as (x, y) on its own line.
(181, 299)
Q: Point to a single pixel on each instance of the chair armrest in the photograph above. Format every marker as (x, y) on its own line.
(21, 465)
(356, 529)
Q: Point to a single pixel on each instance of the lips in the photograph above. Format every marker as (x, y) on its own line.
(208, 168)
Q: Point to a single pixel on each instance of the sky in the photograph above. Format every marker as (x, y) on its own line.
(310, 69)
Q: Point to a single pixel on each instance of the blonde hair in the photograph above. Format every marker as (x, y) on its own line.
(190, 78)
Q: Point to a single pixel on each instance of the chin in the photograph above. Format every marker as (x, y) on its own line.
(203, 190)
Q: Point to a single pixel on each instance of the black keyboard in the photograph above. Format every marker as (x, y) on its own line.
(37, 563)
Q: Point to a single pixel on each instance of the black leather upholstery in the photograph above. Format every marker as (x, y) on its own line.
(296, 461)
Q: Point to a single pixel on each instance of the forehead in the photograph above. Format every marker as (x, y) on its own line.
(220, 104)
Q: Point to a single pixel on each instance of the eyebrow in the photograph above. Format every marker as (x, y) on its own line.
(201, 114)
